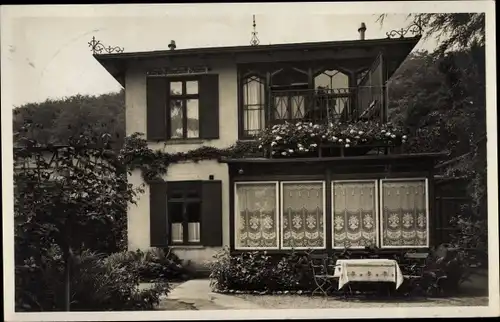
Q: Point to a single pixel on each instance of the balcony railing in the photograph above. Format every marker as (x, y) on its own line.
(325, 105)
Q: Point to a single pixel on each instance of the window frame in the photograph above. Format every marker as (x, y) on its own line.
(427, 211)
(237, 217)
(377, 211)
(244, 80)
(184, 200)
(183, 97)
(323, 186)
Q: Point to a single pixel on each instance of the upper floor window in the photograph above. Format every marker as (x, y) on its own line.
(184, 109)
(253, 99)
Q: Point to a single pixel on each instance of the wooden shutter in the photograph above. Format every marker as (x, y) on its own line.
(209, 106)
(157, 97)
(211, 213)
(158, 214)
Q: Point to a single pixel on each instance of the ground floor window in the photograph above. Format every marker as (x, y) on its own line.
(184, 213)
(292, 214)
(405, 213)
(354, 214)
(302, 214)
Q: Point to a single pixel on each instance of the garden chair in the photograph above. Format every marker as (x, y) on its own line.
(322, 273)
(419, 260)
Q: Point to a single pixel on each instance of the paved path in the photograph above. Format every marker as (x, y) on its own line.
(199, 294)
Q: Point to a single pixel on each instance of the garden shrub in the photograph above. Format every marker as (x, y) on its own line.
(98, 283)
(160, 264)
(259, 272)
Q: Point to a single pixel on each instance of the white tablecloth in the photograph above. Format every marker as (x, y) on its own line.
(368, 270)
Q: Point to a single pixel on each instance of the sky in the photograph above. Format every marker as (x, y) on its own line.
(48, 55)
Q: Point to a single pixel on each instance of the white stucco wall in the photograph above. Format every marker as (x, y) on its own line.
(138, 215)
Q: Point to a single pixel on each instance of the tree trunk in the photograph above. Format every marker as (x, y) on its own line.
(67, 278)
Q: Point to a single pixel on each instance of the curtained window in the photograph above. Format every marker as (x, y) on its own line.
(302, 213)
(405, 213)
(354, 214)
(256, 215)
(364, 213)
(253, 92)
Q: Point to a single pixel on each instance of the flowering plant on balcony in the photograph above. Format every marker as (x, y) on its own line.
(304, 137)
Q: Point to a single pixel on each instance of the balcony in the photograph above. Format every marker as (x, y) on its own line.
(325, 105)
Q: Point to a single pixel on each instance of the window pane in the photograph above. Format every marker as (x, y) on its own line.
(193, 212)
(175, 212)
(193, 119)
(302, 215)
(256, 216)
(176, 88)
(176, 220)
(176, 119)
(192, 87)
(354, 214)
(193, 232)
(404, 213)
(298, 108)
(193, 217)
(253, 119)
(177, 233)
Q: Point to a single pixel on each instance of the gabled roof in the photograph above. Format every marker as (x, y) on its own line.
(115, 63)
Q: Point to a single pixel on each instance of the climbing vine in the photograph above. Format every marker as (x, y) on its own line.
(286, 140)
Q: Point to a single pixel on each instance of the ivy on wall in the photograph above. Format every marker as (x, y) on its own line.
(284, 140)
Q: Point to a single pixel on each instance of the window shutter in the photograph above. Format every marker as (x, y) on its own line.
(211, 213)
(209, 106)
(157, 94)
(158, 214)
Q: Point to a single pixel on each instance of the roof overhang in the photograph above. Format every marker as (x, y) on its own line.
(397, 49)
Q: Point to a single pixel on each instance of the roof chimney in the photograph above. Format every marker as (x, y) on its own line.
(172, 45)
(361, 31)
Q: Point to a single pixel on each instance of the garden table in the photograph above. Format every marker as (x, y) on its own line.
(368, 270)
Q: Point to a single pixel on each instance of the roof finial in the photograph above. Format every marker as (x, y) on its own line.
(254, 41)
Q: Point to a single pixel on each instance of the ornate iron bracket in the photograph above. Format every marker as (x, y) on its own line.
(98, 48)
(414, 29)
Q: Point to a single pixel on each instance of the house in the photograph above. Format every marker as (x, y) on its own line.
(334, 198)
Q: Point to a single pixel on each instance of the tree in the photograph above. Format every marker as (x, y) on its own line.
(56, 121)
(455, 31)
(440, 98)
(64, 197)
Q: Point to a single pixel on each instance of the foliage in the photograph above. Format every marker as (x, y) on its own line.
(154, 164)
(98, 283)
(261, 273)
(154, 265)
(57, 121)
(69, 198)
(455, 31)
(290, 139)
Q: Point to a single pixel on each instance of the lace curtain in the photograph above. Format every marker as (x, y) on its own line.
(354, 208)
(256, 219)
(302, 215)
(404, 213)
(253, 105)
